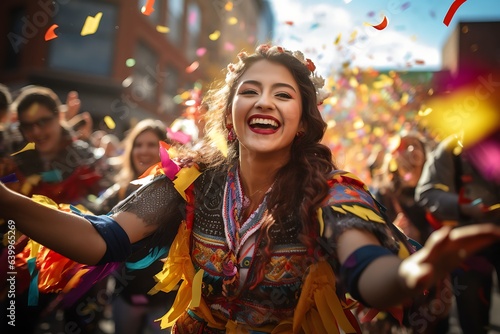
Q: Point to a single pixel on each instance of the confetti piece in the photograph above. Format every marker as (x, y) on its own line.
(314, 26)
(110, 123)
(371, 14)
(29, 146)
(290, 23)
(232, 21)
(91, 24)
(229, 6)
(419, 61)
(337, 40)
(424, 112)
(354, 34)
(162, 29)
(201, 51)
(451, 12)
(494, 207)
(130, 62)
(148, 9)
(462, 110)
(382, 25)
(229, 46)
(215, 35)
(406, 5)
(193, 67)
(50, 34)
(178, 136)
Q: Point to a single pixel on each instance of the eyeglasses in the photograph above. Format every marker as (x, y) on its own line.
(41, 123)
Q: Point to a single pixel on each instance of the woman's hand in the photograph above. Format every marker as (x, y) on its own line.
(443, 252)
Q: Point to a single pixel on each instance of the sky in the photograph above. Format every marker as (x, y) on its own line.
(331, 32)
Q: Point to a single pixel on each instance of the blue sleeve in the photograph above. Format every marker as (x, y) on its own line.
(118, 246)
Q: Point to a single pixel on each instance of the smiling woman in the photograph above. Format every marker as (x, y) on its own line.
(265, 235)
(59, 167)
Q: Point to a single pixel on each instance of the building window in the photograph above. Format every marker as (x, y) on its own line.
(90, 54)
(194, 28)
(146, 77)
(16, 38)
(169, 107)
(174, 20)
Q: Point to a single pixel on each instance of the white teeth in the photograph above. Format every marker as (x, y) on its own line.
(264, 121)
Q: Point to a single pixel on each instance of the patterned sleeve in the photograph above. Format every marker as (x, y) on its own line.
(156, 203)
(350, 205)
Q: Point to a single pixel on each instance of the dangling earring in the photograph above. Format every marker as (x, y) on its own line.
(299, 134)
(231, 135)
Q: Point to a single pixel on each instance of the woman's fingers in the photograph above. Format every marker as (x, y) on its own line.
(444, 251)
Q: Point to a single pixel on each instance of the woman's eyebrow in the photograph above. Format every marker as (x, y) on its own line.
(276, 85)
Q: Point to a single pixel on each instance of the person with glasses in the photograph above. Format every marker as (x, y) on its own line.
(52, 164)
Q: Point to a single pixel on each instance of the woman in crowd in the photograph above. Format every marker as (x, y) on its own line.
(264, 228)
(58, 166)
(54, 164)
(134, 311)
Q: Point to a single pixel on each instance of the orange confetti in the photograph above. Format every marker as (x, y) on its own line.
(419, 61)
(382, 25)
(290, 23)
(229, 6)
(50, 34)
(148, 9)
(193, 67)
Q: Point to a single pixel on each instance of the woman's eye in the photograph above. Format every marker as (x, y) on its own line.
(284, 95)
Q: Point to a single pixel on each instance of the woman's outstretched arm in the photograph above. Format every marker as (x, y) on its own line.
(388, 280)
(66, 233)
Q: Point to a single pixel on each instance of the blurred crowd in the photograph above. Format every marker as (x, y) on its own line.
(52, 149)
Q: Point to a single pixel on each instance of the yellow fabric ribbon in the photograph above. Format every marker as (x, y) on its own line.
(178, 266)
(319, 309)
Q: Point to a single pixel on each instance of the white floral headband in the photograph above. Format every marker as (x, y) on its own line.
(317, 80)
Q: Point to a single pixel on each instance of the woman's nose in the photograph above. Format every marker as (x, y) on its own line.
(264, 102)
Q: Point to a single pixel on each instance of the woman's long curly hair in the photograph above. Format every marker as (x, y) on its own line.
(310, 162)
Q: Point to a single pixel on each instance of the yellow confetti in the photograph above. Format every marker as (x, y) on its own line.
(91, 24)
(404, 99)
(337, 40)
(215, 35)
(29, 146)
(229, 6)
(494, 207)
(162, 29)
(232, 21)
(463, 110)
(110, 123)
(424, 112)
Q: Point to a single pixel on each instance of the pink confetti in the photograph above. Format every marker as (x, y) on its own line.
(201, 52)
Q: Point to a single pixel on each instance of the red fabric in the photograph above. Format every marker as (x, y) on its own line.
(76, 186)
